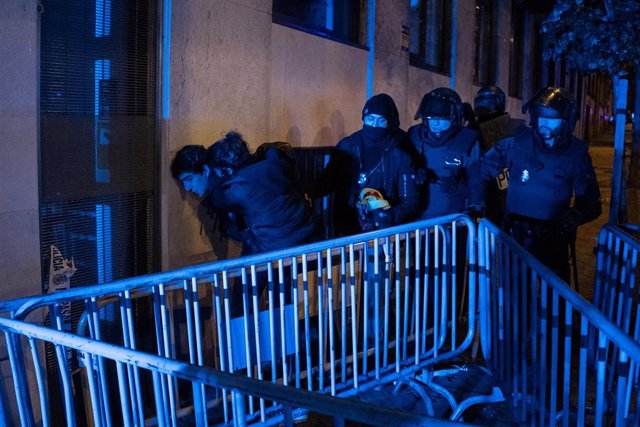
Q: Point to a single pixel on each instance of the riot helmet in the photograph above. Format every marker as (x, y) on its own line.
(489, 101)
(555, 103)
(441, 103)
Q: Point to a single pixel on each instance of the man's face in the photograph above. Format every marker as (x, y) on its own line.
(375, 121)
(549, 127)
(438, 126)
(196, 183)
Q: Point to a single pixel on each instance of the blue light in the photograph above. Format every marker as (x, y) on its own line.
(101, 132)
(329, 15)
(102, 72)
(103, 18)
(103, 243)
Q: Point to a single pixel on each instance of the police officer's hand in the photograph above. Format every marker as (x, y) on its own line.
(568, 221)
(475, 211)
(381, 218)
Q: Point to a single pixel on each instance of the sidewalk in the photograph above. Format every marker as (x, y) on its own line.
(601, 151)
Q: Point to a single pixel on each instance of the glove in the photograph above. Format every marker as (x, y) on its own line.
(568, 221)
(474, 211)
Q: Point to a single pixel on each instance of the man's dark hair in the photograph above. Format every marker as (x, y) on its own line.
(231, 151)
(189, 159)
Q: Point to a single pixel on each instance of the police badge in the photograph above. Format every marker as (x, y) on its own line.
(524, 177)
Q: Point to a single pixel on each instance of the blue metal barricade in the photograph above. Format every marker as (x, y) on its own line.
(616, 295)
(535, 332)
(338, 317)
(160, 371)
(310, 163)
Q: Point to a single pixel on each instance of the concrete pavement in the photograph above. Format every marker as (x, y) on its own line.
(601, 151)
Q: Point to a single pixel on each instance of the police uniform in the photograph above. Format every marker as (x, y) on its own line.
(452, 182)
(542, 182)
(447, 159)
(494, 124)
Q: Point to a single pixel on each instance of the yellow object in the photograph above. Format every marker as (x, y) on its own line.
(373, 199)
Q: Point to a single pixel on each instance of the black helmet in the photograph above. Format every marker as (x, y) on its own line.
(442, 103)
(489, 100)
(553, 102)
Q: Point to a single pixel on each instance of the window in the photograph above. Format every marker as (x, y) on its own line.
(485, 31)
(97, 146)
(516, 53)
(430, 34)
(334, 19)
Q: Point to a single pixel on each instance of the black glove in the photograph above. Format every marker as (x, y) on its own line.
(474, 211)
(569, 221)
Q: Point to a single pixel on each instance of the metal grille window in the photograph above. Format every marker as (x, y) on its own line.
(430, 34)
(485, 31)
(516, 60)
(97, 141)
(334, 19)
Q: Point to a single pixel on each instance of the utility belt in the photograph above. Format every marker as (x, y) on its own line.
(521, 227)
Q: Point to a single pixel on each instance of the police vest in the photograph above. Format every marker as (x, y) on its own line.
(454, 157)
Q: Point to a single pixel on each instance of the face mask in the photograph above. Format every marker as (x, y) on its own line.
(372, 134)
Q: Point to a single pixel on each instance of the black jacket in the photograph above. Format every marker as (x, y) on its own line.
(543, 181)
(387, 168)
(268, 211)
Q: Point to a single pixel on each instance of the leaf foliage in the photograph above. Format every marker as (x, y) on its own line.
(594, 35)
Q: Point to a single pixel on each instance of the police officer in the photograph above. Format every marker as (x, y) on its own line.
(493, 121)
(494, 124)
(447, 156)
(372, 158)
(548, 168)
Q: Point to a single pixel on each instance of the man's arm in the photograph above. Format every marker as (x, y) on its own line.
(587, 191)
(474, 177)
(495, 160)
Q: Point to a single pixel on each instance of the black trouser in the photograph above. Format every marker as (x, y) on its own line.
(551, 247)
(543, 240)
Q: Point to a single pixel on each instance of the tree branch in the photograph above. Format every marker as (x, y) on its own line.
(608, 8)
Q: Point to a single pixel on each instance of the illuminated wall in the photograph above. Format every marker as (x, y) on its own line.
(19, 241)
(231, 67)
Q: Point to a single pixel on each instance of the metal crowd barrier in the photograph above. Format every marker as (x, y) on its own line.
(338, 317)
(616, 295)
(535, 334)
(310, 163)
(163, 371)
